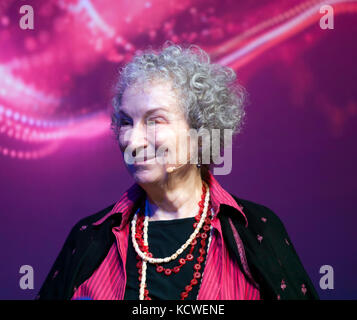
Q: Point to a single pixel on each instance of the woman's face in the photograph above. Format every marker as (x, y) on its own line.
(152, 131)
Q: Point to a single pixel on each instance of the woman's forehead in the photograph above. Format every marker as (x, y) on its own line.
(155, 96)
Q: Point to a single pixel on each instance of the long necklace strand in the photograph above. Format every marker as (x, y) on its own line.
(142, 249)
(189, 257)
(208, 247)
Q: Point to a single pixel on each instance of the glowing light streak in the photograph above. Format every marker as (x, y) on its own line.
(83, 127)
(19, 93)
(270, 38)
(243, 36)
(29, 154)
(95, 19)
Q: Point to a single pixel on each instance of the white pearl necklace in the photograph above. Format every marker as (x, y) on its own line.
(166, 259)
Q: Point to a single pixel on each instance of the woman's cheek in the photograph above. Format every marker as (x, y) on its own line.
(165, 139)
(122, 140)
(160, 136)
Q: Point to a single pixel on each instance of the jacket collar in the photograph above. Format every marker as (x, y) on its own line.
(133, 197)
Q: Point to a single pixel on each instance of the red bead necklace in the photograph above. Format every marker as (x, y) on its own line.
(182, 261)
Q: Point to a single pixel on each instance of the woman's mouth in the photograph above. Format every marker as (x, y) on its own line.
(143, 160)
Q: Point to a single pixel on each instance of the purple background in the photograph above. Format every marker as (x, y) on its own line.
(295, 155)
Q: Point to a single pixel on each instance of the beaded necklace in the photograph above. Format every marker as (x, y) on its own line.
(139, 235)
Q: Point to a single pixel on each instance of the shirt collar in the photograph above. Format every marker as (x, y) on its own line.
(129, 201)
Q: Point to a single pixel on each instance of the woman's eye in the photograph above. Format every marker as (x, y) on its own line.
(124, 122)
(156, 120)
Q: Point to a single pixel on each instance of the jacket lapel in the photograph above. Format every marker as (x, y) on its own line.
(94, 249)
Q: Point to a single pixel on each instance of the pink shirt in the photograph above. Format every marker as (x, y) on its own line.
(222, 277)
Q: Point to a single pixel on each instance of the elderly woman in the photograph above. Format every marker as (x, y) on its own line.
(176, 233)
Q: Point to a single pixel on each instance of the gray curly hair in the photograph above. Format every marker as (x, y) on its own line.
(210, 96)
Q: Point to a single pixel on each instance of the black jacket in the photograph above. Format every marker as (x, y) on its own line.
(271, 257)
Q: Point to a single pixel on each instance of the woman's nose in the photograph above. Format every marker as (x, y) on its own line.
(137, 139)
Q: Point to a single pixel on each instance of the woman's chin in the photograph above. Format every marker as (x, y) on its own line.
(146, 174)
